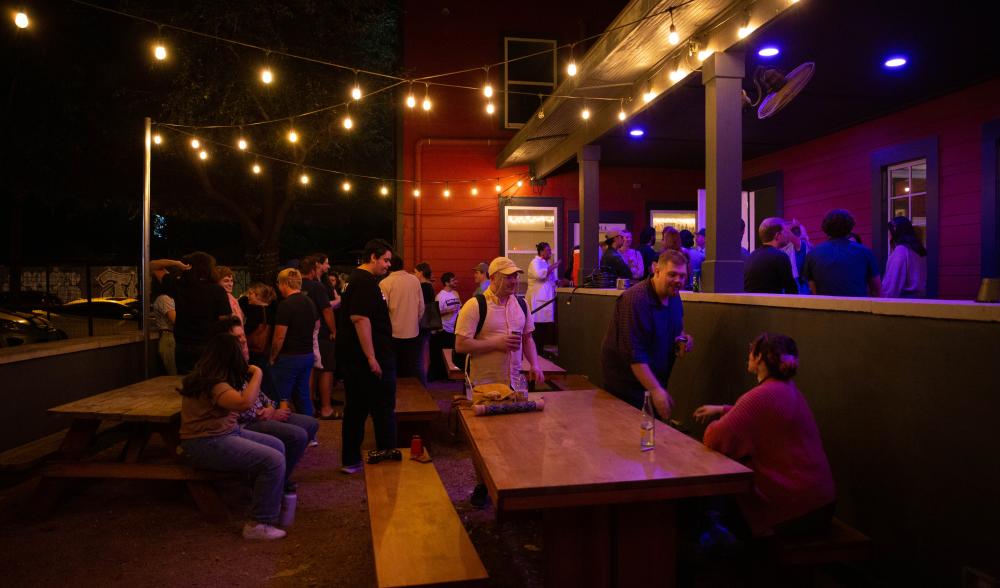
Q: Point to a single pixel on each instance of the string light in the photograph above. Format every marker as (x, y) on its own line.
(356, 90)
(203, 155)
(256, 169)
(487, 88)
(705, 54)
(157, 139)
(242, 144)
(678, 74)
(745, 29)
(348, 123)
(474, 191)
(585, 113)
(266, 76)
(649, 95)
(490, 109)
(416, 192)
(447, 191)
(621, 111)
(21, 20)
(160, 52)
(346, 186)
(520, 183)
(383, 191)
(571, 67)
(293, 137)
(195, 143)
(304, 179)
(426, 104)
(498, 187)
(411, 100)
(673, 37)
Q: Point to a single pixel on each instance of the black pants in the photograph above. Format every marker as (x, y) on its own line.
(366, 394)
(439, 341)
(410, 358)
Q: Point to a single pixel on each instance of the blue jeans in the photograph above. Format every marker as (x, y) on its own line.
(294, 433)
(261, 456)
(291, 380)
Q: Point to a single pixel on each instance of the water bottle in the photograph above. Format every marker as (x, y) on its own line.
(696, 281)
(287, 516)
(647, 440)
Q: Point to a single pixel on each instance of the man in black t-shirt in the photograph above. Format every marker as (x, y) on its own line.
(769, 269)
(292, 346)
(366, 358)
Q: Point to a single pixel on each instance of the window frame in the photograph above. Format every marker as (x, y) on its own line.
(990, 237)
(507, 81)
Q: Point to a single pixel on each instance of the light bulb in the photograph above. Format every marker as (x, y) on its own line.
(160, 52)
(346, 186)
(744, 31)
(474, 191)
(203, 155)
(348, 123)
(416, 192)
(649, 95)
(447, 192)
(621, 115)
(498, 188)
(195, 143)
(383, 191)
(304, 179)
(426, 104)
(242, 144)
(411, 101)
(266, 76)
(677, 75)
(490, 109)
(256, 168)
(21, 20)
(705, 54)
(571, 68)
(585, 113)
(293, 137)
(488, 91)
(157, 139)
(673, 37)
(356, 92)
(520, 183)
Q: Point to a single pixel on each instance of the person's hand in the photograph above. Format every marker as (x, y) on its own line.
(683, 344)
(281, 414)
(266, 413)
(333, 336)
(662, 402)
(705, 413)
(537, 375)
(254, 370)
(510, 342)
(375, 367)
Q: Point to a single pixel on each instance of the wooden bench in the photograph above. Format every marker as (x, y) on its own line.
(417, 536)
(842, 543)
(415, 410)
(572, 382)
(33, 453)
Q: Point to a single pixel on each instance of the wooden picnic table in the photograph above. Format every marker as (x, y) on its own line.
(551, 369)
(608, 507)
(145, 408)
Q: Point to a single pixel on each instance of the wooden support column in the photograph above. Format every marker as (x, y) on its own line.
(722, 75)
(589, 160)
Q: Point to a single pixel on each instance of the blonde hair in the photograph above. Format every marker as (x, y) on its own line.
(291, 278)
(223, 271)
(262, 291)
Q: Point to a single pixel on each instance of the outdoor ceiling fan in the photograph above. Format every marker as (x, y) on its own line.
(776, 89)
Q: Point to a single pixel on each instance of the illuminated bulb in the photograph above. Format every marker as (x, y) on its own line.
(416, 192)
(242, 144)
(621, 115)
(673, 37)
(447, 193)
(705, 54)
(744, 31)
(490, 109)
(356, 92)
(203, 155)
(488, 91)
(383, 191)
(411, 101)
(677, 75)
(520, 183)
(585, 113)
(21, 20)
(160, 52)
(266, 76)
(571, 68)
(648, 96)
(304, 179)
(498, 188)
(256, 168)
(157, 139)
(348, 123)
(195, 143)
(346, 186)
(426, 104)
(293, 137)
(474, 191)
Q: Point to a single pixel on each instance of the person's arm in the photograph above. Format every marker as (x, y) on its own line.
(531, 354)
(731, 434)
(328, 321)
(787, 279)
(662, 401)
(237, 401)
(707, 412)
(279, 339)
(895, 275)
(162, 264)
(335, 301)
(363, 326)
(446, 308)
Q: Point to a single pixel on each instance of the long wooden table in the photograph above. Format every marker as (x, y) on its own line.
(608, 507)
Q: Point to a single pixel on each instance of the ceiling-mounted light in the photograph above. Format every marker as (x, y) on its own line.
(637, 132)
(678, 74)
(769, 51)
(745, 29)
(895, 62)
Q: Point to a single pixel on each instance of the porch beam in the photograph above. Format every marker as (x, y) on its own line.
(589, 160)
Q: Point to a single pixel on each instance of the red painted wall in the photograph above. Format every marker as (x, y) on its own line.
(835, 172)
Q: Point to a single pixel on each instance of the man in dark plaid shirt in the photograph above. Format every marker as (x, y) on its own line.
(645, 336)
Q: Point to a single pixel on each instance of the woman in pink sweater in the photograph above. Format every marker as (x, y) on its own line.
(771, 430)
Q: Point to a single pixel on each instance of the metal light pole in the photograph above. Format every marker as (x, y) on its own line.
(145, 283)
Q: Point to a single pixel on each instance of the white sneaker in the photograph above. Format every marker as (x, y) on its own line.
(262, 531)
(314, 443)
(352, 469)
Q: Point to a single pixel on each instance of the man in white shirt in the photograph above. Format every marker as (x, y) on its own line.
(402, 294)
(449, 304)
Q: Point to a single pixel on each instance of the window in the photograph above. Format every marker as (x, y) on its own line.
(526, 226)
(532, 74)
(678, 219)
(907, 194)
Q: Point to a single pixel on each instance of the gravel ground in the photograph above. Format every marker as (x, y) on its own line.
(150, 533)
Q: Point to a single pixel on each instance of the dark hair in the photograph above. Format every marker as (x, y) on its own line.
(425, 269)
(396, 263)
(779, 354)
(307, 265)
(226, 324)
(647, 236)
(901, 232)
(320, 257)
(447, 277)
(222, 361)
(202, 267)
(375, 247)
(687, 239)
(837, 223)
(339, 286)
(672, 256)
(541, 247)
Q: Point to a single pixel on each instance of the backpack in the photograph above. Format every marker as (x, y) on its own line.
(463, 359)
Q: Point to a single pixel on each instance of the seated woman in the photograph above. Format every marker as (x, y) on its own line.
(220, 386)
(771, 430)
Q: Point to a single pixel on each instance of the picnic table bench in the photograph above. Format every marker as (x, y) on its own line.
(143, 409)
(415, 410)
(417, 536)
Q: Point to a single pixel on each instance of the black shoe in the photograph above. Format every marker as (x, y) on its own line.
(379, 455)
(479, 496)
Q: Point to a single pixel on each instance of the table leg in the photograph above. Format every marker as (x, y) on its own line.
(78, 438)
(578, 544)
(646, 544)
(137, 440)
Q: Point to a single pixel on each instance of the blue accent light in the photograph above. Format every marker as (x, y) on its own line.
(637, 132)
(895, 62)
(768, 51)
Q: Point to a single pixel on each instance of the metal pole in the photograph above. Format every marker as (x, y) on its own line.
(144, 260)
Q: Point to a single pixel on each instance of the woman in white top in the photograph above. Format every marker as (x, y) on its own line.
(906, 269)
(542, 273)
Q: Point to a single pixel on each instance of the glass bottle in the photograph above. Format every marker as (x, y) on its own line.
(647, 440)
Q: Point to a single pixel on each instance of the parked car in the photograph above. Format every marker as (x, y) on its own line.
(126, 309)
(29, 300)
(21, 328)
